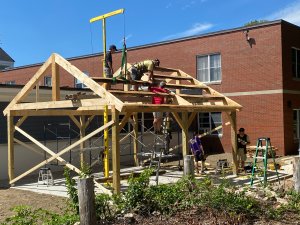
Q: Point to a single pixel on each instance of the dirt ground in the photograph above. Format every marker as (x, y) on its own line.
(10, 198)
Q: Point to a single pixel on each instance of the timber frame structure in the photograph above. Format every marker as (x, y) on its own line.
(183, 107)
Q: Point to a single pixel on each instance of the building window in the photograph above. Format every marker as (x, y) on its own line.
(296, 62)
(11, 82)
(209, 68)
(48, 81)
(209, 121)
(78, 83)
(296, 124)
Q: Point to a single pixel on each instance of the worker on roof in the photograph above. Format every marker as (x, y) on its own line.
(138, 69)
(108, 64)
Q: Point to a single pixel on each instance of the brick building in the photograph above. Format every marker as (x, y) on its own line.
(256, 66)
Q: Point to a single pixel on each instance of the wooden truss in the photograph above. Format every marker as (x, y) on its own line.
(82, 110)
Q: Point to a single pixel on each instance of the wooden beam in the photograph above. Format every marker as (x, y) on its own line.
(191, 118)
(10, 146)
(232, 119)
(29, 86)
(178, 119)
(55, 81)
(54, 112)
(82, 144)
(29, 147)
(115, 143)
(60, 104)
(55, 156)
(185, 135)
(73, 118)
(135, 139)
(98, 89)
(171, 77)
(124, 121)
(89, 120)
(21, 121)
(37, 92)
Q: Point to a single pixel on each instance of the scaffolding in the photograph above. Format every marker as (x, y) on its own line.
(184, 108)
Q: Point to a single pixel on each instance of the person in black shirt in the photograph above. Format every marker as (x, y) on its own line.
(108, 66)
(242, 141)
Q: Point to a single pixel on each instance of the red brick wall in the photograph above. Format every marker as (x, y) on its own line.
(244, 69)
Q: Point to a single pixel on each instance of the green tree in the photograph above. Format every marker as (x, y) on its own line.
(255, 22)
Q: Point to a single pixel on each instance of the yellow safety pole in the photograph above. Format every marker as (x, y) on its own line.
(105, 116)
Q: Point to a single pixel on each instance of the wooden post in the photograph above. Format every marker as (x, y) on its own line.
(115, 144)
(86, 198)
(188, 163)
(10, 145)
(82, 144)
(232, 118)
(297, 173)
(185, 134)
(55, 80)
(135, 140)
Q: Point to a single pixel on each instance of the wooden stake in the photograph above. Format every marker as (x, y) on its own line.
(82, 144)
(185, 134)
(232, 118)
(116, 152)
(10, 145)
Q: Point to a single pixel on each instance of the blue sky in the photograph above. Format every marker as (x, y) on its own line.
(31, 30)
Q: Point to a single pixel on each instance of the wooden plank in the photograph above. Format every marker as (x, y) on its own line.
(138, 93)
(185, 135)
(10, 147)
(29, 86)
(55, 156)
(60, 104)
(55, 80)
(83, 156)
(135, 139)
(178, 119)
(172, 77)
(124, 121)
(98, 89)
(89, 120)
(21, 121)
(29, 147)
(191, 118)
(165, 69)
(77, 123)
(115, 143)
(232, 119)
(96, 110)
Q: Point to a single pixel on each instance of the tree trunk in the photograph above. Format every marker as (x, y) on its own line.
(297, 173)
(86, 197)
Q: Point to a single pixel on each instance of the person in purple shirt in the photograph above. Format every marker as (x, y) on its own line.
(198, 152)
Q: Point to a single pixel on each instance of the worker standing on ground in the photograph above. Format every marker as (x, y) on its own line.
(198, 152)
(108, 64)
(242, 142)
(158, 100)
(138, 69)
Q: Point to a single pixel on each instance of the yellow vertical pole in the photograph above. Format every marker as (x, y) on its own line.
(105, 116)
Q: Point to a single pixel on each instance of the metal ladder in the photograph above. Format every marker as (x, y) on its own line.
(264, 156)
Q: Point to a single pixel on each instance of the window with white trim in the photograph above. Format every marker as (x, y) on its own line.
(48, 81)
(296, 124)
(78, 83)
(209, 121)
(209, 68)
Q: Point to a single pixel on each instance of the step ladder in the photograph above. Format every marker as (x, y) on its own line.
(264, 147)
(45, 176)
(157, 152)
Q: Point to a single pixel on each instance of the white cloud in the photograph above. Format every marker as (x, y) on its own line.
(196, 29)
(188, 5)
(290, 13)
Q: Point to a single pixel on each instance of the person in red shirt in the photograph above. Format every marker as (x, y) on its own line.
(158, 100)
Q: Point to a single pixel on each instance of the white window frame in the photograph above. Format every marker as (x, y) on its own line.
(297, 137)
(209, 76)
(78, 83)
(45, 81)
(220, 132)
(297, 75)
